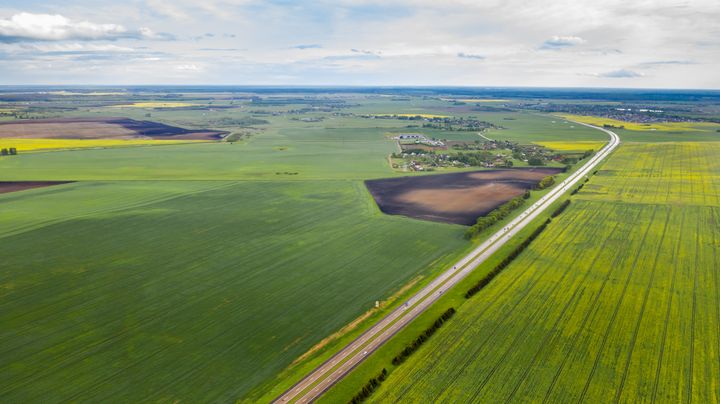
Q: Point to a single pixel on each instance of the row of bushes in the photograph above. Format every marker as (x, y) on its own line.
(560, 208)
(573, 160)
(369, 387)
(375, 382)
(400, 358)
(546, 182)
(506, 261)
(496, 215)
(8, 152)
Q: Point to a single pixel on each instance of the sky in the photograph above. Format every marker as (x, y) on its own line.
(539, 43)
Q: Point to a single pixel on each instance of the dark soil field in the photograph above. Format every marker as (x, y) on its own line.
(100, 128)
(458, 198)
(14, 186)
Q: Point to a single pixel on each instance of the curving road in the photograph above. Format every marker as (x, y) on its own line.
(340, 364)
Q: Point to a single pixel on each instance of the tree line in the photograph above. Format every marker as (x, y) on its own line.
(375, 382)
(369, 387)
(576, 190)
(405, 353)
(560, 208)
(496, 215)
(505, 262)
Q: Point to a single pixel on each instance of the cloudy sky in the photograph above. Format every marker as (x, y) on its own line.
(569, 43)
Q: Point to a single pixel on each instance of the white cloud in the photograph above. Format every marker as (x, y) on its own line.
(28, 27)
(147, 33)
(308, 46)
(167, 9)
(620, 74)
(366, 52)
(74, 47)
(562, 42)
(666, 63)
(470, 56)
(539, 43)
(188, 68)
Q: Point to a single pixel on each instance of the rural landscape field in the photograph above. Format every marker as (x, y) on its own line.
(345, 202)
(263, 252)
(240, 250)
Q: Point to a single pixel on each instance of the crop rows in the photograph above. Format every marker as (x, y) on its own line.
(197, 296)
(617, 301)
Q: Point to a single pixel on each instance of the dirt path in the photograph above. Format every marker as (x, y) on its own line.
(485, 137)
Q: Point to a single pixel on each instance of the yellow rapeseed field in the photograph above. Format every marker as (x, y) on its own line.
(155, 105)
(616, 301)
(429, 116)
(572, 146)
(72, 93)
(663, 126)
(481, 100)
(25, 145)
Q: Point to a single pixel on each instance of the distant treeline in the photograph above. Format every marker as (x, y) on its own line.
(496, 215)
(506, 261)
(573, 160)
(244, 121)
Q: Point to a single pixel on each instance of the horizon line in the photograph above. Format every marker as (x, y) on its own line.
(368, 86)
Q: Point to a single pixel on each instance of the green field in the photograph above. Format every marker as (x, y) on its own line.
(341, 149)
(192, 291)
(197, 273)
(616, 301)
(312, 153)
(202, 272)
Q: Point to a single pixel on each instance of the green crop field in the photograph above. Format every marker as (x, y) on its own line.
(203, 272)
(519, 127)
(192, 291)
(312, 153)
(616, 301)
(339, 149)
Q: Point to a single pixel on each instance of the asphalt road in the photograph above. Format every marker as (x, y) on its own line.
(340, 364)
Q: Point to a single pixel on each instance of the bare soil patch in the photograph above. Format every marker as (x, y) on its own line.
(458, 198)
(100, 128)
(14, 186)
